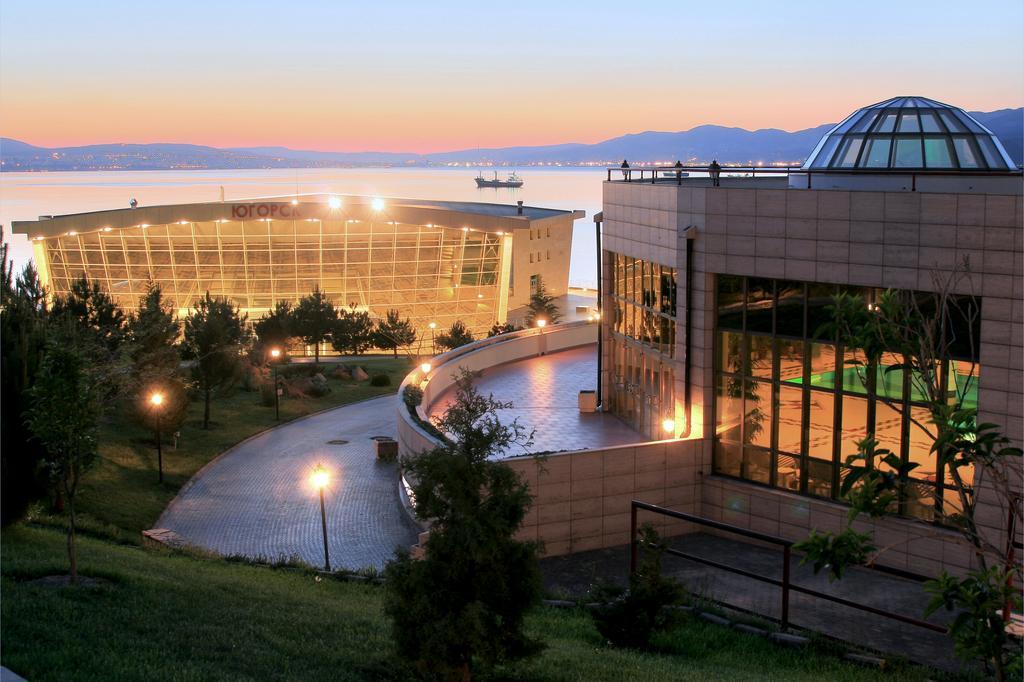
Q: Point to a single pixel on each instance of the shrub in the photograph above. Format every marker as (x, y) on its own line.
(464, 603)
(380, 380)
(412, 396)
(628, 619)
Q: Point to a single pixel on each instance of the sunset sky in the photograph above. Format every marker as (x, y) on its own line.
(432, 76)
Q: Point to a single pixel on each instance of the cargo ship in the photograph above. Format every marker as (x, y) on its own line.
(512, 181)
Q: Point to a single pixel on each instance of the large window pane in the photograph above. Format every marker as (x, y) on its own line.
(790, 315)
(854, 426)
(760, 356)
(888, 427)
(787, 474)
(908, 153)
(819, 478)
(758, 406)
(791, 360)
(919, 444)
(760, 301)
(823, 365)
(790, 415)
(820, 425)
(728, 459)
(938, 152)
(889, 378)
(877, 153)
(729, 408)
(756, 464)
(730, 302)
(730, 356)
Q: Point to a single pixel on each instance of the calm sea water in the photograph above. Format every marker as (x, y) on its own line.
(25, 196)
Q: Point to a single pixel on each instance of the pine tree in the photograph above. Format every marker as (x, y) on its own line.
(276, 328)
(457, 335)
(23, 315)
(353, 331)
(393, 331)
(215, 336)
(488, 579)
(542, 306)
(313, 320)
(66, 405)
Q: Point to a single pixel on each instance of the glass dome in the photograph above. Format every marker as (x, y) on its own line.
(911, 133)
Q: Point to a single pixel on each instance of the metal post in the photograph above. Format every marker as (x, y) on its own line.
(600, 306)
(323, 523)
(785, 586)
(159, 449)
(632, 539)
(277, 396)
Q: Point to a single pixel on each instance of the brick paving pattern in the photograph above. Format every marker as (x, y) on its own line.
(544, 392)
(256, 500)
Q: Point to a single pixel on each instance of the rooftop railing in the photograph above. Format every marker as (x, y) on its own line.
(677, 174)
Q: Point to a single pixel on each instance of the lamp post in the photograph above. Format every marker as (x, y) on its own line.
(433, 349)
(542, 347)
(320, 479)
(275, 353)
(156, 400)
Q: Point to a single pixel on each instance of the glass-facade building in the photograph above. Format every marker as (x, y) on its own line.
(642, 343)
(434, 263)
(791, 404)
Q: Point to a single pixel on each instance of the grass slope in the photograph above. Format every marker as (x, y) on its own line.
(175, 617)
(121, 497)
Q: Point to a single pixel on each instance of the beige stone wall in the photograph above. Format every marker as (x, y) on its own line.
(879, 239)
(582, 499)
(546, 254)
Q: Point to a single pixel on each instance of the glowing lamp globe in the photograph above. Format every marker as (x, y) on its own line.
(320, 478)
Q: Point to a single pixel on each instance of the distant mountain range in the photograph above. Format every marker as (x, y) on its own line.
(700, 144)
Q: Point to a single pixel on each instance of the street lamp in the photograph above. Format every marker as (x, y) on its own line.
(320, 478)
(542, 323)
(433, 348)
(275, 353)
(669, 426)
(156, 401)
(425, 368)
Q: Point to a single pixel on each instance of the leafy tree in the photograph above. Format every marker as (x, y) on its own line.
(498, 329)
(542, 306)
(353, 332)
(393, 332)
(214, 338)
(978, 460)
(276, 328)
(457, 335)
(463, 604)
(23, 315)
(313, 320)
(66, 406)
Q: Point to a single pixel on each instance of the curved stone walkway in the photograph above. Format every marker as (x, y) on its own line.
(256, 499)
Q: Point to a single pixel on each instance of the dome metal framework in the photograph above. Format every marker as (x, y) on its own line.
(910, 133)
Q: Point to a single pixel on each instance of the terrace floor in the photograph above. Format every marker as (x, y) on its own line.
(544, 392)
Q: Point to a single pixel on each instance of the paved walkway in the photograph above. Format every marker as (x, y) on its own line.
(574, 574)
(544, 393)
(256, 500)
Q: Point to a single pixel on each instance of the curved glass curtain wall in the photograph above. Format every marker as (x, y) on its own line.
(791, 406)
(910, 133)
(427, 273)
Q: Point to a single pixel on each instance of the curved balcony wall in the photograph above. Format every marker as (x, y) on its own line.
(581, 498)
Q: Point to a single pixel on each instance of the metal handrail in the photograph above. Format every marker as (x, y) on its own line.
(664, 174)
(785, 583)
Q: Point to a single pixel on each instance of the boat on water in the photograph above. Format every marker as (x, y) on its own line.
(512, 181)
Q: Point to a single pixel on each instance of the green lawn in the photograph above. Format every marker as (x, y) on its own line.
(177, 617)
(121, 497)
